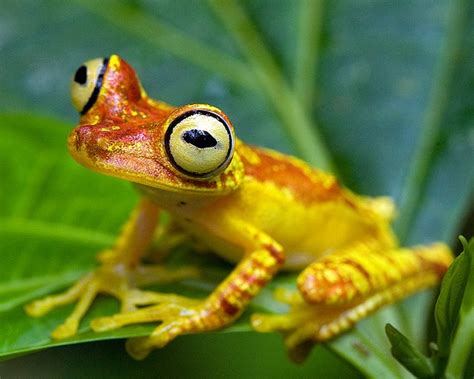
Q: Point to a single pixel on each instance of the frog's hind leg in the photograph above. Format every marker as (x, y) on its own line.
(120, 274)
(340, 289)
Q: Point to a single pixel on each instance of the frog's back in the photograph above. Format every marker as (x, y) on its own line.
(306, 184)
(306, 209)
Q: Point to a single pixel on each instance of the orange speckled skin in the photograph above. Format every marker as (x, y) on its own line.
(266, 211)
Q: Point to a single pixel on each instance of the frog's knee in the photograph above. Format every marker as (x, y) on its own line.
(307, 283)
(320, 283)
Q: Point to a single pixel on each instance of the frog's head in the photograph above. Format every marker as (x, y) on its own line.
(124, 133)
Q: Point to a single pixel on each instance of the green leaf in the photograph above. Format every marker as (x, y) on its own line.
(408, 355)
(369, 88)
(454, 315)
(462, 346)
(468, 300)
(450, 299)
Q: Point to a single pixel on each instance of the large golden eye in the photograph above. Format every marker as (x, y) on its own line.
(199, 143)
(86, 83)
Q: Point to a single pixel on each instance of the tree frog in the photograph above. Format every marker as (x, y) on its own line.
(260, 209)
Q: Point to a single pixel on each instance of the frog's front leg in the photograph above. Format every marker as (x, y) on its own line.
(340, 289)
(120, 274)
(263, 259)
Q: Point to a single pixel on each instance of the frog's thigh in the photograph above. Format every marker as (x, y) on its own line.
(346, 286)
(368, 267)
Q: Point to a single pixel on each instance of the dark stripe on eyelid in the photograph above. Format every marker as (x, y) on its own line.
(98, 85)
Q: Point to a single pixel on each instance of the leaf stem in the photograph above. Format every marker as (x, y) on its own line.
(305, 135)
(172, 40)
(308, 50)
(461, 347)
(430, 132)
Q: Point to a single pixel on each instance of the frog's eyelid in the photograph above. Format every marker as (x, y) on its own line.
(98, 85)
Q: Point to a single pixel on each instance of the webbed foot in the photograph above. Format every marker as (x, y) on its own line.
(300, 327)
(177, 314)
(114, 279)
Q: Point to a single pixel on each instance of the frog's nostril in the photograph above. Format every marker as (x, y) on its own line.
(80, 137)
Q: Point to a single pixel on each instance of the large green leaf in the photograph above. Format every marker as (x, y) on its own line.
(380, 91)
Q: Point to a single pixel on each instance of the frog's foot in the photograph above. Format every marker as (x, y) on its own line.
(219, 309)
(113, 279)
(339, 290)
(177, 314)
(302, 326)
(307, 324)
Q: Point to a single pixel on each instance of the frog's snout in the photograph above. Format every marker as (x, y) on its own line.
(80, 136)
(82, 145)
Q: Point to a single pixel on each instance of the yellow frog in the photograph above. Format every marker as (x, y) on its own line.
(263, 210)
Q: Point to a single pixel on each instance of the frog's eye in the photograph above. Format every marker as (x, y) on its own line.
(86, 84)
(199, 143)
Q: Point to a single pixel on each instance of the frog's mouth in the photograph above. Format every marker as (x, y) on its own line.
(129, 153)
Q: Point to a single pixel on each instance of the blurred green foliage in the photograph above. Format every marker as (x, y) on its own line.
(450, 355)
(383, 91)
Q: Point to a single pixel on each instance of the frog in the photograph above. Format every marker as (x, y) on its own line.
(263, 211)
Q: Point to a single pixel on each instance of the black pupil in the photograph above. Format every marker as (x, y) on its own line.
(81, 75)
(199, 138)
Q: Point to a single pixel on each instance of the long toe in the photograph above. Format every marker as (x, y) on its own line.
(138, 348)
